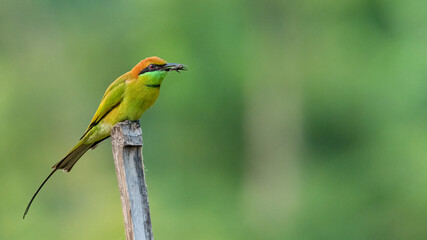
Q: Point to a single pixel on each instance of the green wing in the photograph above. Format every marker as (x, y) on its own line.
(111, 99)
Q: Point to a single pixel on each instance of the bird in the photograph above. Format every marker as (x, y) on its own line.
(127, 98)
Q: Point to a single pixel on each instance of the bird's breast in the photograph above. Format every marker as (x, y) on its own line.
(138, 99)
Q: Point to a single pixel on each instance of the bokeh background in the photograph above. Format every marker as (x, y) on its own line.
(297, 120)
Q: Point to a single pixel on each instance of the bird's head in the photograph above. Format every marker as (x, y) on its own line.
(153, 70)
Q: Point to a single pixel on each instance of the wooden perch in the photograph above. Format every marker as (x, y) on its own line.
(126, 138)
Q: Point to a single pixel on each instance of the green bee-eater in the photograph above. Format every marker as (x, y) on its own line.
(127, 98)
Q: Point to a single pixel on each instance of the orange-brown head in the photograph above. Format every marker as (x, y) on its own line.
(145, 63)
(151, 64)
(151, 71)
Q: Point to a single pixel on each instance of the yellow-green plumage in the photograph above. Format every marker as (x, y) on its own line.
(127, 98)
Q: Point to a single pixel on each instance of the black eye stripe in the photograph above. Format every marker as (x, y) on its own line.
(148, 69)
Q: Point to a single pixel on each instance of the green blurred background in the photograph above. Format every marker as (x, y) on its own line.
(297, 119)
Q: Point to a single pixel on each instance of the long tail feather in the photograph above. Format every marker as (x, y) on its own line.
(66, 164)
(35, 194)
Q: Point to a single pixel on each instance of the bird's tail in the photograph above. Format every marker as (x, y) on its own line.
(66, 164)
(72, 157)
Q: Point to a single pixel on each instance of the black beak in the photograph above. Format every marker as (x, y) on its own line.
(174, 67)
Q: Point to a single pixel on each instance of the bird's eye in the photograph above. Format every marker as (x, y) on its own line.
(151, 66)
